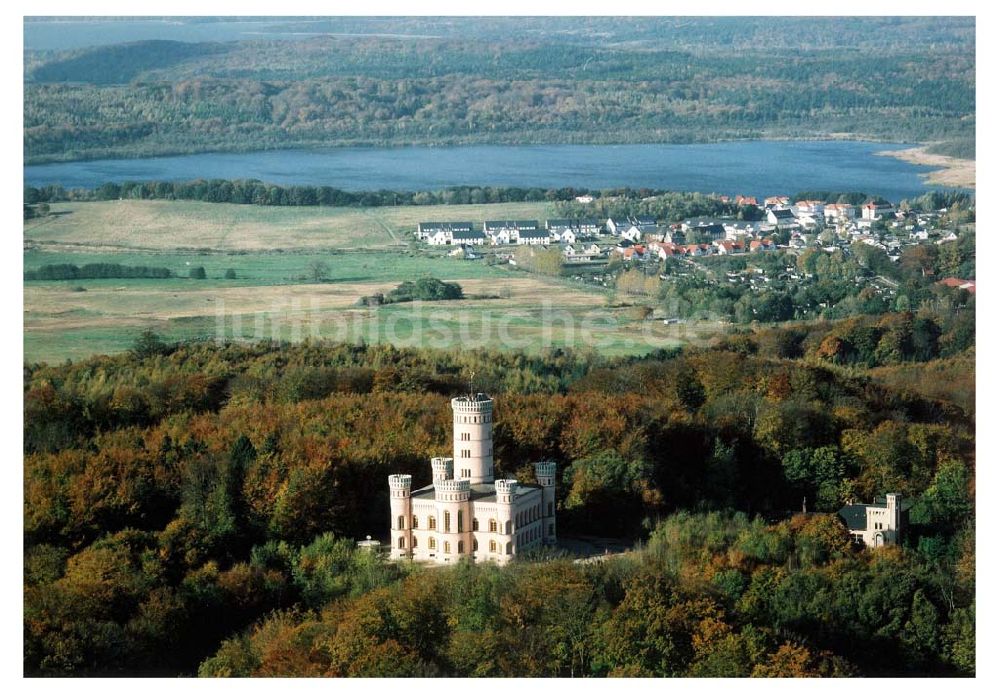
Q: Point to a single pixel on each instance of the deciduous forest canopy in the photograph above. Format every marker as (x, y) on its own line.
(179, 495)
(499, 81)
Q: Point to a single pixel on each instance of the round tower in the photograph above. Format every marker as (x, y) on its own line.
(401, 519)
(452, 498)
(545, 474)
(473, 437)
(506, 546)
(442, 468)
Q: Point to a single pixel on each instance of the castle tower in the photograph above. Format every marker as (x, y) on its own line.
(893, 524)
(473, 437)
(442, 469)
(545, 474)
(454, 513)
(401, 521)
(506, 493)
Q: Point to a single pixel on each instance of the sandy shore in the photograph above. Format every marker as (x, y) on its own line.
(949, 171)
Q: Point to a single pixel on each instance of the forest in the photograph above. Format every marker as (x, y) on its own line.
(192, 509)
(161, 97)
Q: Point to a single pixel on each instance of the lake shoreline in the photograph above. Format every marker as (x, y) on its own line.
(948, 171)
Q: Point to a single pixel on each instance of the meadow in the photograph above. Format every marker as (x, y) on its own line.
(169, 226)
(276, 294)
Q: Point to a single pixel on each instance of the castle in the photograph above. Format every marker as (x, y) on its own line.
(877, 524)
(471, 515)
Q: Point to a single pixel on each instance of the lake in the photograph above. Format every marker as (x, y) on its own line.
(755, 167)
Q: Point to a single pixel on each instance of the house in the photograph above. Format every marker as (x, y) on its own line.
(761, 245)
(776, 201)
(503, 237)
(782, 218)
(472, 237)
(533, 237)
(426, 230)
(959, 283)
(634, 253)
(725, 247)
(839, 211)
(582, 255)
(632, 233)
(875, 211)
(613, 224)
(810, 222)
(493, 226)
(644, 222)
(809, 207)
(742, 200)
(713, 229)
(878, 524)
(585, 199)
(559, 225)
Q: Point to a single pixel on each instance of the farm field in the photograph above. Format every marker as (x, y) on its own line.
(276, 296)
(530, 314)
(163, 225)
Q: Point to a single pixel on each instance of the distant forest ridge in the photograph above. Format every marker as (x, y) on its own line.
(641, 80)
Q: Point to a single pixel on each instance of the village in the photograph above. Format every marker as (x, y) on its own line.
(784, 225)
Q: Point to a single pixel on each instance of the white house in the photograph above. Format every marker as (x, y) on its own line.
(782, 218)
(874, 211)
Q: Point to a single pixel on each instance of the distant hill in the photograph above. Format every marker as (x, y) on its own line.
(118, 64)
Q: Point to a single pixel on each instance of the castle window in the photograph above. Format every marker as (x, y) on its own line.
(402, 542)
(550, 509)
(447, 522)
(432, 544)
(475, 545)
(460, 526)
(493, 525)
(414, 521)
(508, 548)
(414, 541)
(461, 547)
(475, 524)
(493, 546)
(447, 547)
(400, 523)
(508, 527)
(432, 523)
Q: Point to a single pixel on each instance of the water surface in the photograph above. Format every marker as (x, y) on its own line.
(751, 168)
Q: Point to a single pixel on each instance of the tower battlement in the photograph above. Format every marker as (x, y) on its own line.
(545, 472)
(505, 490)
(442, 468)
(479, 403)
(452, 490)
(400, 485)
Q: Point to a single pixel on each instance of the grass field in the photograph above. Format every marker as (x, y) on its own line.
(274, 295)
(160, 225)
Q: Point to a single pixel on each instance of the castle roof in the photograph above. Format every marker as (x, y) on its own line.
(855, 516)
(480, 492)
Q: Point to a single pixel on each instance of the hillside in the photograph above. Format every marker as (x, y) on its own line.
(693, 81)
